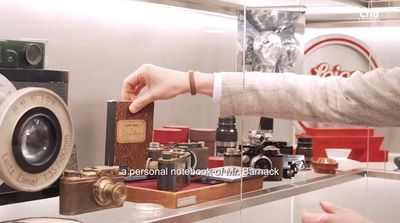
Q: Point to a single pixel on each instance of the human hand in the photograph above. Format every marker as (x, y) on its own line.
(162, 84)
(334, 214)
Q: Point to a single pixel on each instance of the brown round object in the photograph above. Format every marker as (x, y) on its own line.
(325, 165)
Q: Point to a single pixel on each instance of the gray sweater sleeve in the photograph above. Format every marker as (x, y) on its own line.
(371, 99)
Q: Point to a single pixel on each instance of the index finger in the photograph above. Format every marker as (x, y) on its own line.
(129, 84)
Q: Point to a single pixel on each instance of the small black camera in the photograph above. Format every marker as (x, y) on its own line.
(258, 155)
(22, 54)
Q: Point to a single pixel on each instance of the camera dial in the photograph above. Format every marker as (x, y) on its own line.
(6, 88)
(37, 139)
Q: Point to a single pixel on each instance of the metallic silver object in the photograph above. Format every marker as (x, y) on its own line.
(272, 39)
(256, 137)
(268, 47)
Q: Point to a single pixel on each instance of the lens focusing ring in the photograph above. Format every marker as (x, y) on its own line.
(119, 193)
(256, 137)
(12, 109)
(54, 131)
(257, 160)
(106, 192)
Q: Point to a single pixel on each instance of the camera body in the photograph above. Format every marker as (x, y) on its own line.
(258, 155)
(171, 164)
(31, 76)
(292, 164)
(91, 189)
(54, 80)
(22, 54)
(198, 152)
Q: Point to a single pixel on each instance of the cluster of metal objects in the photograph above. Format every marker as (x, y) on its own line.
(269, 39)
(174, 158)
(261, 153)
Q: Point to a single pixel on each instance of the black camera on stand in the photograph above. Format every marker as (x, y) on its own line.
(257, 155)
(261, 153)
(41, 135)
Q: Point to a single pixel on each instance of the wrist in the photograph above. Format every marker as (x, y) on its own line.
(203, 83)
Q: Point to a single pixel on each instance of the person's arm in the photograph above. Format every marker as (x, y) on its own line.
(365, 99)
(162, 84)
(368, 99)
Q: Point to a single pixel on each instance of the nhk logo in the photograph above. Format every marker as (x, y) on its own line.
(369, 16)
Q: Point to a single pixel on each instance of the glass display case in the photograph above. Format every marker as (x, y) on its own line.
(282, 69)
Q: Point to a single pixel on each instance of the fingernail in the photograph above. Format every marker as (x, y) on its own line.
(132, 108)
(325, 203)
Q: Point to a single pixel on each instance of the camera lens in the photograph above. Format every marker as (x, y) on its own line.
(261, 162)
(37, 140)
(33, 54)
(226, 134)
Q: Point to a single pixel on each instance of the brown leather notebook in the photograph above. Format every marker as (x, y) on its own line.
(128, 135)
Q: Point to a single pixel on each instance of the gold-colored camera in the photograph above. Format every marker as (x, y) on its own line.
(91, 189)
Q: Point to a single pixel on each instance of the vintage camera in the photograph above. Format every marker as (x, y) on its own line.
(232, 157)
(91, 189)
(172, 166)
(22, 54)
(36, 142)
(198, 152)
(293, 164)
(257, 155)
(55, 81)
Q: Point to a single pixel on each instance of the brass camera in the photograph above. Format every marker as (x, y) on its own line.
(91, 189)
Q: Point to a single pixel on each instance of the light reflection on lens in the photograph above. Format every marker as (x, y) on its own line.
(36, 138)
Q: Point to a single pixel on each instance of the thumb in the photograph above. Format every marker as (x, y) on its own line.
(140, 102)
(331, 208)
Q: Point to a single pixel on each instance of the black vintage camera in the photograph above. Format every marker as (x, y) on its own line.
(292, 164)
(257, 155)
(22, 54)
(33, 153)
